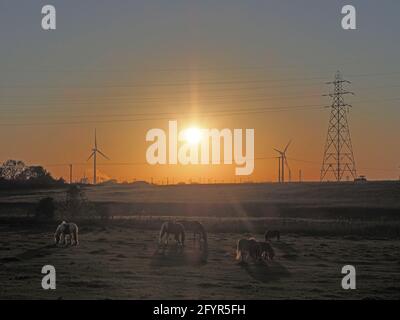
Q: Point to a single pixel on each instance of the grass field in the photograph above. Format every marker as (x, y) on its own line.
(323, 228)
(121, 262)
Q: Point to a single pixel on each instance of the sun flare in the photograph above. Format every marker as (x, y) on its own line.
(192, 135)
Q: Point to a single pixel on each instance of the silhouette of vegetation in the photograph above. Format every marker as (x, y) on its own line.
(77, 204)
(45, 209)
(16, 174)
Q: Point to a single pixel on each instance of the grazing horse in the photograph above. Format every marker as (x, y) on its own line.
(248, 247)
(66, 229)
(175, 228)
(271, 234)
(267, 252)
(198, 230)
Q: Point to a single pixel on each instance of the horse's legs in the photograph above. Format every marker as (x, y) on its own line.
(242, 256)
(73, 239)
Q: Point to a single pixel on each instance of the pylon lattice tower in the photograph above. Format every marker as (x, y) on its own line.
(338, 153)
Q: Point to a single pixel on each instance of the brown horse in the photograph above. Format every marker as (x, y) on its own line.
(267, 252)
(66, 229)
(199, 232)
(174, 228)
(248, 247)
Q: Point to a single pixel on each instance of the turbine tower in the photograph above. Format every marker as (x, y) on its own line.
(338, 153)
(94, 155)
(282, 162)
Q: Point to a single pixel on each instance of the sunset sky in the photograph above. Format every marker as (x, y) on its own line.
(125, 67)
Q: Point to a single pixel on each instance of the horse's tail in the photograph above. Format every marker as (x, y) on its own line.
(183, 237)
(183, 234)
(238, 251)
(75, 233)
(162, 232)
(204, 233)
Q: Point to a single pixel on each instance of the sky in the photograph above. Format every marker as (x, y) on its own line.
(125, 67)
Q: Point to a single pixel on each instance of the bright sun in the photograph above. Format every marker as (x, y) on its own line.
(192, 135)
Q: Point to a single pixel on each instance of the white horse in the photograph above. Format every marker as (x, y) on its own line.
(172, 227)
(66, 229)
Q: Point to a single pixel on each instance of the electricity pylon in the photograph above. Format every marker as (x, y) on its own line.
(338, 154)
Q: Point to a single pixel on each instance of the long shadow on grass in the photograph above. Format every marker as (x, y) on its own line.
(177, 256)
(288, 251)
(265, 272)
(31, 254)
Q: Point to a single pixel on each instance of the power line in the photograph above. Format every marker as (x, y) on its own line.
(191, 83)
(56, 69)
(223, 112)
(176, 115)
(126, 163)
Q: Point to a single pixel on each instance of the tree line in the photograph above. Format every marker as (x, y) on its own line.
(16, 174)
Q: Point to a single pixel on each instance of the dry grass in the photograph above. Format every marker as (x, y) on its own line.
(123, 262)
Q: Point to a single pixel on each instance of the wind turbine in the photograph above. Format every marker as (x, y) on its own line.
(94, 155)
(282, 162)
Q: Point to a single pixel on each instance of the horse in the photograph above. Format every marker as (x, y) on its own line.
(66, 229)
(267, 252)
(198, 230)
(248, 247)
(271, 234)
(175, 228)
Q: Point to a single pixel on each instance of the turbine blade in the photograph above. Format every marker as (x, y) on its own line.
(278, 151)
(90, 156)
(287, 146)
(95, 139)
(287, 164)
(103, 154)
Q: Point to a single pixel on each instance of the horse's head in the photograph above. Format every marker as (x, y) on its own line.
(57, 237)
(59, 231)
